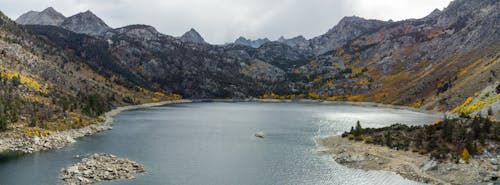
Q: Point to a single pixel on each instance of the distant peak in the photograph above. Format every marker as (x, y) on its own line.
(192, 36)
(48, 16)
(88, 12)
(351, 19)
(49, 9)
(86, 23)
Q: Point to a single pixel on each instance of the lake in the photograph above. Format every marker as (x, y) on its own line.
(214, 144)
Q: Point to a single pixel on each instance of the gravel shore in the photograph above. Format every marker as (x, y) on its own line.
(411, 165)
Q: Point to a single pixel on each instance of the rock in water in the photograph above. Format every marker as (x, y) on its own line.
(98, 167)
(260, 134)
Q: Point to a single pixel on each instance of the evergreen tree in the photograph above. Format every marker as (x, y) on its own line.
(3, 122)
(388, 139)
(358, 131)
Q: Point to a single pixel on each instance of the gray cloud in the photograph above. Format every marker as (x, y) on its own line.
(221, 21)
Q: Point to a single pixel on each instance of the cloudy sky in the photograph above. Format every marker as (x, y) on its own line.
(221, 21)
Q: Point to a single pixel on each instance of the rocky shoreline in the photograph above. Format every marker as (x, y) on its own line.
(411, 165)
(14, 141)
(100, 167)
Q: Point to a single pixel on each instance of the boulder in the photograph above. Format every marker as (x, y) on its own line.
(429, 166)
(259, 134)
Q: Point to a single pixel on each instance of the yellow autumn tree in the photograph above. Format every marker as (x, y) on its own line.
(465, 155)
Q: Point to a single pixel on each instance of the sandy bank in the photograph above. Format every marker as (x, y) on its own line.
(408, 164)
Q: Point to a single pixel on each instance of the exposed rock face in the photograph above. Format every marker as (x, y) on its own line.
(298, 41)
(100, 167)
(86, 23)
(283, 55)
(48, 16)
(192, 36)
(252, 43)
(139, 32)
(346, 30)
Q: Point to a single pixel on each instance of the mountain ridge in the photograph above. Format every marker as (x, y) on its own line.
(357, 60)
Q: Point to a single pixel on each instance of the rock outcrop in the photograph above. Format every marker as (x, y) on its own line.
(100, 167)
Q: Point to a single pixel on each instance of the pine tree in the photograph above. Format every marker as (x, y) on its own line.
(3, 122)
(358, 131)
(388, 139)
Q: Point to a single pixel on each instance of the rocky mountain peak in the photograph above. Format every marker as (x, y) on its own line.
(50, 10)
(138, 31)
(346, 30)
(49, 16)
(192, 36)
(298, 40)
(86, 23)
(252, 43)
(433, 15)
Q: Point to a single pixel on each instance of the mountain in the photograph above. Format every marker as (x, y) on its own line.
(143, 56)
(435, 62)
(192, 36)
(48, 16)
(252, 43)
(86, 23)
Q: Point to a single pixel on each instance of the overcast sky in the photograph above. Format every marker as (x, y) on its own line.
(221, 21)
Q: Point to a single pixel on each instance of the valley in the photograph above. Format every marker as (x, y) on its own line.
(61, 75)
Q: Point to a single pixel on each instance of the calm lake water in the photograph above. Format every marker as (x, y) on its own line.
(214, 144)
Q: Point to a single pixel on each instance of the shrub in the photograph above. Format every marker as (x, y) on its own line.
(350, 137)
(368, 139)
(358, 138)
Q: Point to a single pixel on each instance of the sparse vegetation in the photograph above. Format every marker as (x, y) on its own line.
(449, 139)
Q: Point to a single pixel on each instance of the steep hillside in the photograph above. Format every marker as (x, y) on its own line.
(47, 86)
(434, 62)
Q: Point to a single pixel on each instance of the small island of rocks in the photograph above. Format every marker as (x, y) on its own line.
(100, 167)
